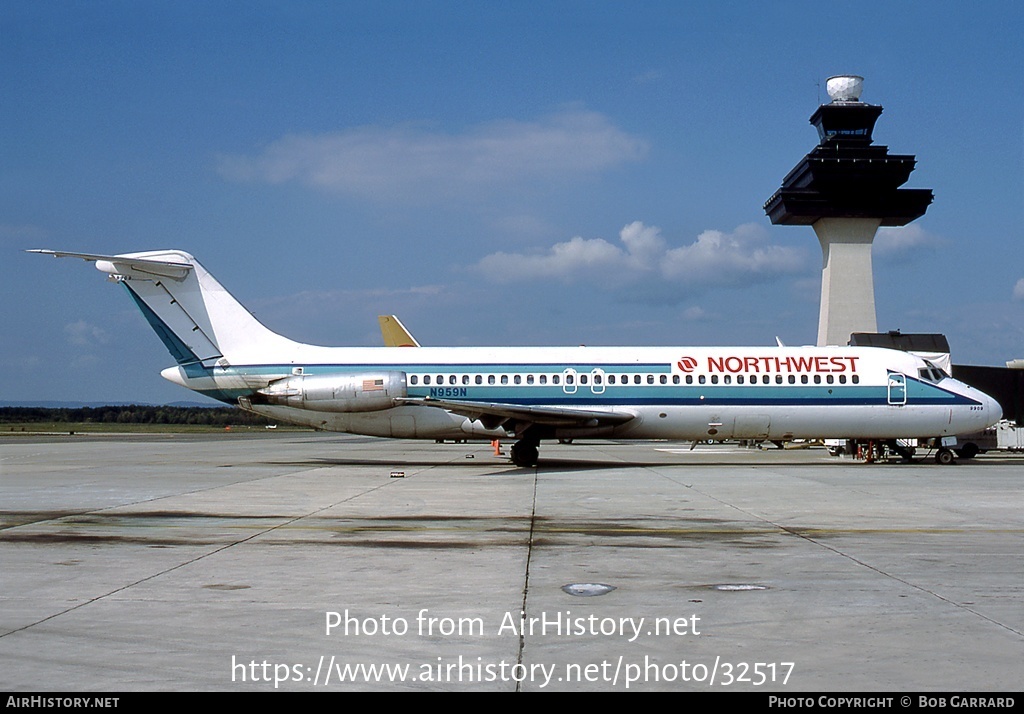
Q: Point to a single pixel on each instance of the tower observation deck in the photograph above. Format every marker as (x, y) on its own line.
(845, 189)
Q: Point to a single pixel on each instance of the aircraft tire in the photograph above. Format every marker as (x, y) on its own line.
(969, 450)
(524, 454)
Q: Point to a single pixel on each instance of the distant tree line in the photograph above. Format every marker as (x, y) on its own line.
(133, 414)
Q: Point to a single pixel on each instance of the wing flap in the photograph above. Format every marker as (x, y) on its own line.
(495, 414)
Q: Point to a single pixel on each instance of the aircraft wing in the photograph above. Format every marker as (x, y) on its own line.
(494, 414)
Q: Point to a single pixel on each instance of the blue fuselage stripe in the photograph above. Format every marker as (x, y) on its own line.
(580, 395)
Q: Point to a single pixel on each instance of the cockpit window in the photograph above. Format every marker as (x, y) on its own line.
(934, 373)
(931, 373)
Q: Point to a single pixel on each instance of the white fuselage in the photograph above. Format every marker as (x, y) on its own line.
(670, 392)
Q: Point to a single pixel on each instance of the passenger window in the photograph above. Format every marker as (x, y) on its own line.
(702, 379)
(583, 379)
(792, 379)
(689, 379)
(636, 379)
(479, 379)
(778, 379)
(504, 379)
(452, 379)
(517, 379)
(426, 379)
(830, 379)
(842, 379)
(855, 379)
(675, 379)
(817, 379)
(803, 379)
(663, 379)
(543, 379)
(529, 379)
(555, 379)
(714, 379)
(490, 379)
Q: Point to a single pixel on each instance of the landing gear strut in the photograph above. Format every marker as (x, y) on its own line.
(906, 452)
(524, 453)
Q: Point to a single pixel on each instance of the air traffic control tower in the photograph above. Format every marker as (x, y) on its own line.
(845, 189)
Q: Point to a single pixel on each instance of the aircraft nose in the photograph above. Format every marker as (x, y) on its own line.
(993, 410)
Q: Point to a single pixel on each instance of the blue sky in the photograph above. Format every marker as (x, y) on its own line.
(493, 173)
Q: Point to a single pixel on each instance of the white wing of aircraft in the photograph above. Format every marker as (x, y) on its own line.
(536, 393)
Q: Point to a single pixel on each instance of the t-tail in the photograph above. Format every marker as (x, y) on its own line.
(201, 324)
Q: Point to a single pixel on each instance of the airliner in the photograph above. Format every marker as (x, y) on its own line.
(539, 393)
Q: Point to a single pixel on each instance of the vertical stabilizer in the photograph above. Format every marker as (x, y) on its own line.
(394, 332)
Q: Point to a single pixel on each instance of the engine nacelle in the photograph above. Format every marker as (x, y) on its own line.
(341, 392)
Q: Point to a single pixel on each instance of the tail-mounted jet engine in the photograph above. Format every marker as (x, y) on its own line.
(355, 392)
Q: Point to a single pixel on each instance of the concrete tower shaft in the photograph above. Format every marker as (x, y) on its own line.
(847, 283)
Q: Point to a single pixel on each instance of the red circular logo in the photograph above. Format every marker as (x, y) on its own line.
(687, 364)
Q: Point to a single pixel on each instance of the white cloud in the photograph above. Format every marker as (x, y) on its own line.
(343, 316)
(1018, 290)
(22, 233)
(648, 77)
(646, 259)
(312, 305)
(902, 240)
(410, 161)
(718, 258)
(695, 314)
(564, 260)
(84, 334)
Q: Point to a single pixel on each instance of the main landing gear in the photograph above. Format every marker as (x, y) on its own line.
(525, 452)
(881, 450)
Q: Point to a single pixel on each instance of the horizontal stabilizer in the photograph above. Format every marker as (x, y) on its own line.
(128, 265)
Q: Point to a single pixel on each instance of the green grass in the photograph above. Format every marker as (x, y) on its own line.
(65, 427)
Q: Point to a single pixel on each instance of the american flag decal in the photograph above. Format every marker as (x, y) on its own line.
(373, 385)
